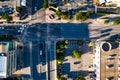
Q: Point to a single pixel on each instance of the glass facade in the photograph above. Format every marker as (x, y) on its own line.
(11, 55)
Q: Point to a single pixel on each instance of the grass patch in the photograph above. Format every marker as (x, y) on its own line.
(101, 13)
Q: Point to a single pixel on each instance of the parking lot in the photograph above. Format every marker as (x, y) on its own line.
(71, 67)
(10, 3)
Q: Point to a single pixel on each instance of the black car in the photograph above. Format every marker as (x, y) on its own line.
(41, 46)
(78, 62)
(43, 61)
(44, 55)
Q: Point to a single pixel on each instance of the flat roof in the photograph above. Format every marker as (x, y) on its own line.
(3, 48)
(107, 58)
(3, 66)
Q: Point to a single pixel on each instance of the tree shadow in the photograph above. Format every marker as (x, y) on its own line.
(114, 37)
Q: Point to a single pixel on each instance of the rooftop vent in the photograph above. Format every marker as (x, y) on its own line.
(106, 46)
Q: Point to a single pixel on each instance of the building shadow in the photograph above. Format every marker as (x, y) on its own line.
(64, 70)
(114, 45)
(111, 19)
(106, 30)
(114, 37)
(35, 5)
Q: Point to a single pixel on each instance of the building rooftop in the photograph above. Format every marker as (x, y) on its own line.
(3, 47)
(109, 60)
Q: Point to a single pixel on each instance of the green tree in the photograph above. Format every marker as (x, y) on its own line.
(65, 15)
(62, 78)
(66, 41)
(116, 21)
(5, 16)
(78, 16)
(60, 57)
(80, 42)
(9, 19)
(58, 12)
(45, 4)
(82, 16)
(88, 14)
(76, 54)
(62, 46)
(80, 78)
(66, 46)
(92, 43)
(19, 9)
(106, 21)
(59, 51)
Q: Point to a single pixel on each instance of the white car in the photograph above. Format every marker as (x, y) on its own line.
(2, 28)
(40, 52)
(35, 8)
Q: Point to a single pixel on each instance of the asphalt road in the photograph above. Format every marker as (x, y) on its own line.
(32, 38)
(75, 31)
(33, 35)
(16, 30)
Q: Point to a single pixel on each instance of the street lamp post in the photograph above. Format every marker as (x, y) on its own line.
(95, 8)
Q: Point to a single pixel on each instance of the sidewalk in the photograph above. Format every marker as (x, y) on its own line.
(23, 71)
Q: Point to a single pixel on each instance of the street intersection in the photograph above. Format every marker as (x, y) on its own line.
(42, 60)
(48, 34)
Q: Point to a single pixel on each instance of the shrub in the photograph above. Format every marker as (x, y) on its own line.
(65, 15)
(45, 4)
(88, 14)
(18, 9)
(6, 17)
(80, 78)
(92, 43)
(78, 16)
(60, 57)
(106, 21)
(76, 54)
(9, 19)
(59, 51)
(61, 78)
(82, 16)
(116, 21)
(80, 42)
(66, 41)
(58, 12)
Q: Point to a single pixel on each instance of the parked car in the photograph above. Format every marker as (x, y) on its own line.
(78, 62)
(41, 46)
(43, 61)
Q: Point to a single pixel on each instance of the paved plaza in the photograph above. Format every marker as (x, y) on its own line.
(69, 67)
